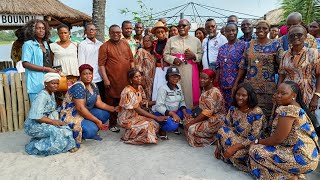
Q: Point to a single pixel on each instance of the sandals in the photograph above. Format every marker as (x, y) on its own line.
(73, 150)
(164, 137)
(177, 132)
(114, 129)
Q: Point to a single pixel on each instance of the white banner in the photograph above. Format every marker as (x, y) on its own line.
(16, 20)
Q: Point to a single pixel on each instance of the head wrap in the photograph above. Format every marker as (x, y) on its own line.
(85, 66)
(51, 76)
(212, 75)
(283, 30)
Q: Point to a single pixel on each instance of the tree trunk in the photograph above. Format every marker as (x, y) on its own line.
(98, 17)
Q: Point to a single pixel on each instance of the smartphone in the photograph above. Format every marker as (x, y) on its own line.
(56, 67)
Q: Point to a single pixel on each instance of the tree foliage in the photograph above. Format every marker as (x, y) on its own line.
(144, 14)
(7, 35)
(310, 9)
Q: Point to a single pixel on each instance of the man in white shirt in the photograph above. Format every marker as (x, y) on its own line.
(211, 45)
(88, 51)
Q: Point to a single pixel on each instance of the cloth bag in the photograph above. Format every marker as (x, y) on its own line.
(63, 85)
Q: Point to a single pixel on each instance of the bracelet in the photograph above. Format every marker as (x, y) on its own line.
(147, 104)
(256, 141)
(114, 109)
(43, 69)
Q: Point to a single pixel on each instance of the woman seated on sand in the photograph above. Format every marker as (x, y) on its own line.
(292, 150)
(83, 109)
(140, 125)
(170, 102)
(48, 134)
(242, 126)
(200, 131)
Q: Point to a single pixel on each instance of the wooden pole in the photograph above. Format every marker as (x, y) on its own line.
(3, 117)
(8, 102)
(17, 78)
(14, 102)
(25, 96)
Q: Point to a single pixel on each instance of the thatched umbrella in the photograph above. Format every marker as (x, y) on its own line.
(53, 11)
(274, 17)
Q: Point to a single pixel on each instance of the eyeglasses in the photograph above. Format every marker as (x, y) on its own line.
(294, 35)
(182, 25)
(92, 29)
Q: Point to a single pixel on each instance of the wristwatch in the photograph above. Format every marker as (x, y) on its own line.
(256, 141)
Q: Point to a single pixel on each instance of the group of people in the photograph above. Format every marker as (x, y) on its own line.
(252, 96)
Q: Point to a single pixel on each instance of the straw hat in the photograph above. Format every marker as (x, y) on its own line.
(159, 24)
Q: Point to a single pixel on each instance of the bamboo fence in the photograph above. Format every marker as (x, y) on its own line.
(14, 101)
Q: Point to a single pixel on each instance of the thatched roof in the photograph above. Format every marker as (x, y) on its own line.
(57, 11)
(274, 17)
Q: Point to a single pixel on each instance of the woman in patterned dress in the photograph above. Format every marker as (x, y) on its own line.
(260, 63)
(200, 130)
(292, 150)
(228, 60)
(301, 65)
(146, 63)
(243, 124)
(141, 126)
(48, 134)
(314, 30)
(83, 109)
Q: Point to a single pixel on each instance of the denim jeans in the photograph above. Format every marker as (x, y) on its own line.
(169, 124)
(89, 128)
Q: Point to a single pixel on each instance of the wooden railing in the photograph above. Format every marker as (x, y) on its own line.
(14, 101)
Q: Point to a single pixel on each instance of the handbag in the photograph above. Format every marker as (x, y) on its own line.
(63, 85)
(196, 112)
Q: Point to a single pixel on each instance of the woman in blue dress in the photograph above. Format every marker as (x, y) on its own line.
(83, 109)
(48, 134)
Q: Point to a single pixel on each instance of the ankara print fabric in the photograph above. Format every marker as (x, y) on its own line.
(138, 129)
(298, 154)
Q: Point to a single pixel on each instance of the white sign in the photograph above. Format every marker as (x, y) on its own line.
(195, 26)
(16, 20)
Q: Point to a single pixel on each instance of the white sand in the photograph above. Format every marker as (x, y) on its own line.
(112, 159)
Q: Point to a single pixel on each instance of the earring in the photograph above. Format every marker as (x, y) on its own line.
(293, 98)
(130, 82)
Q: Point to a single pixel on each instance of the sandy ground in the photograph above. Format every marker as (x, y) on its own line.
(112, 159)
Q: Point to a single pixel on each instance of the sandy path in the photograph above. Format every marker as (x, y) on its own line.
(112, 159)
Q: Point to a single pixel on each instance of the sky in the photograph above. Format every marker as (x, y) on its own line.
(113, 16)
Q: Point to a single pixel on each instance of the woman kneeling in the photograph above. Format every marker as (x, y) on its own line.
(292, 150)
(200, 131)
(170, 102)
(83, 108)
(242, 126)
(140, 125)
(49, 134)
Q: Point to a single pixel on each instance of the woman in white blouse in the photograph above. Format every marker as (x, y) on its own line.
(65, 54)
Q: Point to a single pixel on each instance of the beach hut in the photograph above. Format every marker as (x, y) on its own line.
(274, 17)
(16, 13)
(14, 101)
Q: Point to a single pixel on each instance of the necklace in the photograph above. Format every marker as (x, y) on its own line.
(245, 110)
(230, 47)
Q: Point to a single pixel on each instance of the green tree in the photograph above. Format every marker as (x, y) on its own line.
(144, 14)
(310, 9)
